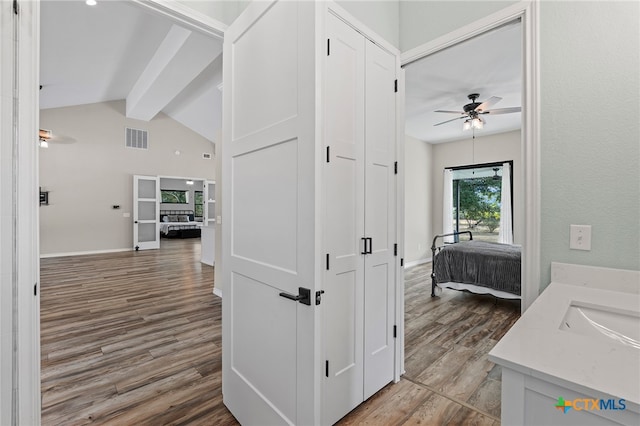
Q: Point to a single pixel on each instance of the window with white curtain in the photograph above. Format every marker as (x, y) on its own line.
(480, 201)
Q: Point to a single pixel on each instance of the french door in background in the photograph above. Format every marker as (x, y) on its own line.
(146, 212)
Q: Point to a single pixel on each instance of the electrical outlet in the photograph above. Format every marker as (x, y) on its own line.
(580, 237)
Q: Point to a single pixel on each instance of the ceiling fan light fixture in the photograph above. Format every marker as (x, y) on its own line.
(91, 2)
(44, 144)
(466, 125)
(477, 123)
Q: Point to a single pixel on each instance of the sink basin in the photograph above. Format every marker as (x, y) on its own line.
(598, 321)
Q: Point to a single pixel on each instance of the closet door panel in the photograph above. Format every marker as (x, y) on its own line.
(380, 208)
(342, 303)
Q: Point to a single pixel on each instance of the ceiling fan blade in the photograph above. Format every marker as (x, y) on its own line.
(453, 119)
(451, 112)
(503, 111)
(487, 104)
(62, 139)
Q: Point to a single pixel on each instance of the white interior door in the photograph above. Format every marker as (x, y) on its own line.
(146, 212)
(268, 248)
(380, 225)
(360, 129)
(344, 221)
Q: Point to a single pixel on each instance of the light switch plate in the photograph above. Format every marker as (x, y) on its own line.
(580, 237)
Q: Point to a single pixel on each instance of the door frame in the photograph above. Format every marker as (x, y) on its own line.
(23, 364)
(195, 179)
(19, 245)
(528, 12)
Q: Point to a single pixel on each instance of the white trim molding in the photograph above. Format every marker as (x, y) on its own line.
(84, 253)
(417, 262)
(528, 14)
(185, 16)
(19, 286)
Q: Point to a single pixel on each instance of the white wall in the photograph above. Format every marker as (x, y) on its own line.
(383, 17)
(423, 21)
(418, 200)
(590, 154)
(87, 177)
(488, 149)
(225, 11)
(590, 150)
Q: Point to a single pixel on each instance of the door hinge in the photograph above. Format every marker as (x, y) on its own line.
(395, 331)
(326, 368)
(328, 153)
(395, 168)
(328, 47)
(395, 86)
(395, 249)
(15, 7)
(35, 289)
(402, 261)
(327, 261)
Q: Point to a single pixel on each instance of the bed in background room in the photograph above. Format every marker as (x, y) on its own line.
(179, 224)
(476, 266)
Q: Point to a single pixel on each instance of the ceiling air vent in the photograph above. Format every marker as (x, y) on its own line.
(136, 138)
(206, 156)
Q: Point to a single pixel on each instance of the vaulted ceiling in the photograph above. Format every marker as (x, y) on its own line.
(117, 50)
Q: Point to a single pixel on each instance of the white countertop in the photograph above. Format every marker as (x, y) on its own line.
(536, 345)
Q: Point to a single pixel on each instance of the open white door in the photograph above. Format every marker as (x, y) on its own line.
(270, 370)
(146, 212)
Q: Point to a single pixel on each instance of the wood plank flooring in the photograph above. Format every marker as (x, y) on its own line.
(134, 338)
(448, 379)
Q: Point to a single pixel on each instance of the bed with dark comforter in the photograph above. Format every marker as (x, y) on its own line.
(483, 264)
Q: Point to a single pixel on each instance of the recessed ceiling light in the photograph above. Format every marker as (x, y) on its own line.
(91, 2)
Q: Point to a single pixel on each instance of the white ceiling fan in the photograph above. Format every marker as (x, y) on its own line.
(45, 136)
(473, 111)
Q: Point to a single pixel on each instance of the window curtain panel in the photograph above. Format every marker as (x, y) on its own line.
(505, 235)
(447, 205)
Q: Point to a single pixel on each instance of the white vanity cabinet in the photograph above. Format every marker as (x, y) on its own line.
(573, 358)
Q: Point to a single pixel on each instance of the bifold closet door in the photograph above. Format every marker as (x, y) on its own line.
(343, 301)
(380, 207)
(360, 207)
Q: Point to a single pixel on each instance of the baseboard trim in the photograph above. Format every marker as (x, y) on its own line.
(217, 292)
(82, 253)
(417, 262)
